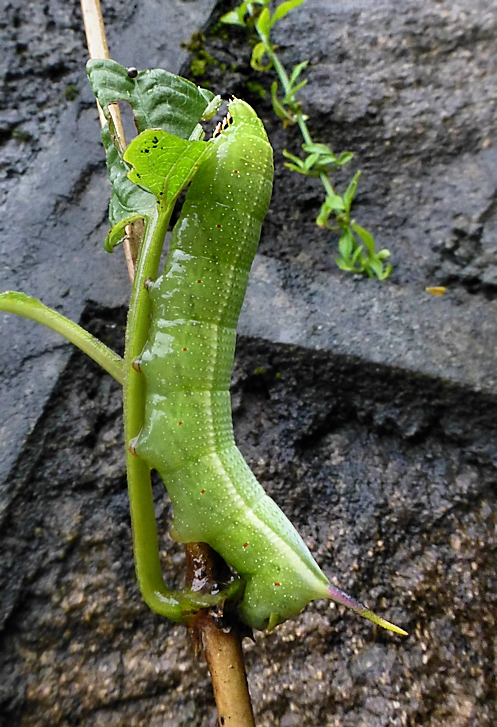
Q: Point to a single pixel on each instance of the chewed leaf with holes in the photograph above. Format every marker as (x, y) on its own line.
(164, 164)
(159, 99)
(128, 202)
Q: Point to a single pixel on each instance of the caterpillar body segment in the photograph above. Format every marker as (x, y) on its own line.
(187, 433)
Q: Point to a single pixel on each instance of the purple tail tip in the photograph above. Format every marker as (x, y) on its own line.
(340, 597)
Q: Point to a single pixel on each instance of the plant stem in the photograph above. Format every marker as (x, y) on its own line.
(304, 130)
(223, 653)
(220, 641)
(287, 87)
(28, 307)
(97, 48)
(326, 184)
(145, 541)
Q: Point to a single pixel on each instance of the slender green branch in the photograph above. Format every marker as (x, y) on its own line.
(287, 87)
(326, 184)
(28, 307)
(178, 606)
(280, 70)
(145, 542)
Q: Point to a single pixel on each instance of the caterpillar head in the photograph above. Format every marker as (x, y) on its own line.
(238, 111)
(241, 111)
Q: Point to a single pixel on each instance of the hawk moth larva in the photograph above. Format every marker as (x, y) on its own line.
(187, 434)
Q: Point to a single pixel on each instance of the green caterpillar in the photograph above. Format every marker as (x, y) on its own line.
(187, 433)
(176, 369)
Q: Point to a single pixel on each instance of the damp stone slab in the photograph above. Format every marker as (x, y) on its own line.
(402, 327)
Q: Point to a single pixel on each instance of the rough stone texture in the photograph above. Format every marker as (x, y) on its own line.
(366, 409)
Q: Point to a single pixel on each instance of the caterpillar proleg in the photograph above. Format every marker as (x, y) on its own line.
(187, 433)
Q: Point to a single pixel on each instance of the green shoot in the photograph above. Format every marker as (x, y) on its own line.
(29, 307)
(356, 246)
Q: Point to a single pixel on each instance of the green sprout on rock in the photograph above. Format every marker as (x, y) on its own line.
(356, 245)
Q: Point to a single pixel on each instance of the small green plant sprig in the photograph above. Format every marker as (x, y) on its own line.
(356, 245)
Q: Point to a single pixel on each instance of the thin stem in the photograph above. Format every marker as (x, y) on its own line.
(303, 128)
(287, 87)
(220, 641)
(145, 542)
(326, 184)
(279, 68)
(97, 48)
(224, 656)
(28, 307)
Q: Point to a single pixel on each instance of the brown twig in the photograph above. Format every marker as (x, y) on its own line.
(220, 643)
(220, 639)
(98, 48)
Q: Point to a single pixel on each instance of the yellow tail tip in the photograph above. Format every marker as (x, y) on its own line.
(340, 597)
(371, 616)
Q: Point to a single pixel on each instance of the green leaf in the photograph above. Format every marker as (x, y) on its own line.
(127, 200)
(289, 97)
(344, 265)
(317, 149)
(293, 158)
(278, 108)
(295, 168)
(335, 202)
(366, 237)
(324, 215)
(298, 87)
(298, 165)
(246, 10)
(345, 158)
(351, 190)
(212, 108)
(297, 71)
(235, 17)
(256, 59)
(283, 9)
(310, 161)
(326, 161)
(346, 245)
(383, 254)
(376, 267)
(263, 25)
(386, 271)
(359, 258)
(163, 164)
(324, 156)
(159, 99)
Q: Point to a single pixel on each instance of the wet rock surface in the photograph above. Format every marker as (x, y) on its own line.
(381, 450)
